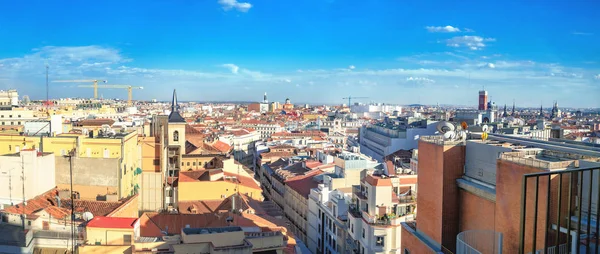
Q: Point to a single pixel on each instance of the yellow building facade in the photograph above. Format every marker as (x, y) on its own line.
(124, 147)
(214, 190)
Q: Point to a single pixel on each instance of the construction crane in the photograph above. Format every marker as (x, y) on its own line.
(94, 81)
(128, 87)
(349, 98)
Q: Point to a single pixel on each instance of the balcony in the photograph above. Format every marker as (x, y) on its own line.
(479, 241)
(559, 211)
(388, 219)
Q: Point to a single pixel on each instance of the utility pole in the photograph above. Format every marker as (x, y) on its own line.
(23, 185)
(70, 156)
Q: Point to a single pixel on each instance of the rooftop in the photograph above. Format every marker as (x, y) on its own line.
(112, 222)
(201, 231)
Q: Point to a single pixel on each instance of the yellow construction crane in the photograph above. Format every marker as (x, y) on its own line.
(128, 87)
(94, 81)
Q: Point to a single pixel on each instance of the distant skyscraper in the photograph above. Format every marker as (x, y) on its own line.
(265, 98)
(483, 97)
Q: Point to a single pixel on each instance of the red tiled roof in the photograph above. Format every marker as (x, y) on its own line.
(199, 207)
(377, 180)
(221, 146)
(111, 222)
(303, 183)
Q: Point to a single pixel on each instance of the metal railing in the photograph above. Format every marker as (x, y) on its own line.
(479, 242)
(558, 204)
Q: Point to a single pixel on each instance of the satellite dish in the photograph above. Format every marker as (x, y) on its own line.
(444, 127)
(87, 216)
(449, 135)
(485, 128)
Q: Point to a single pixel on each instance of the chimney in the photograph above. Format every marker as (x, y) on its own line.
(576, 163)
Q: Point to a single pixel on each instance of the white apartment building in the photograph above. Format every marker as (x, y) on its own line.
(9, 98)
(15, 116)
(327, 218)
(37, 170)
(379, 204)
(382, 139)
(266, 129)
(243, 143)
(374, 110)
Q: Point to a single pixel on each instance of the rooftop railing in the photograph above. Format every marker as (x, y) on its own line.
(559, 211)
(478, 242)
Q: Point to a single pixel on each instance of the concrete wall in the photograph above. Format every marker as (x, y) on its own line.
(108, 236)
(481, 161)
(97, 173)
(152, 191)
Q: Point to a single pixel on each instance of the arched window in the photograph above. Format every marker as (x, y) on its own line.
(176, 136)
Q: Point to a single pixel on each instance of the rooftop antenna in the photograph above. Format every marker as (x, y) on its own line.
(47, 97)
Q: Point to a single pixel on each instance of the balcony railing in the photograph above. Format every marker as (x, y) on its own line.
(479, 242)
(559, 211)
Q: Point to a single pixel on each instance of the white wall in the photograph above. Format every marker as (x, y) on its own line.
(39, 176)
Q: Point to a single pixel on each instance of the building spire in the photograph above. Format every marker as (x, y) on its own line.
(504, 114)
(513, 110)
(265, 98)
(174, 105)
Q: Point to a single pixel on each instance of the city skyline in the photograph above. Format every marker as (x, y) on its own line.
(309, 51)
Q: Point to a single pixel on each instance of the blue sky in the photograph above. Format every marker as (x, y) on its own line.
(310, 51)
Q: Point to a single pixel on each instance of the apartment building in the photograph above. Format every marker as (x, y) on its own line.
(45, 220)
(9, 98)
(25, 175)
(327, 219)
(266, 129)
(379, 204)
(12, 117)
(481, 195)
(381, 139)
(103, 163)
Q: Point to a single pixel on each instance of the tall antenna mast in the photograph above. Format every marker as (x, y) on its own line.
(47, 92)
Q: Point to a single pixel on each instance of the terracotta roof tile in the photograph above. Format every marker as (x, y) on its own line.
(111, 222)
(303, 183)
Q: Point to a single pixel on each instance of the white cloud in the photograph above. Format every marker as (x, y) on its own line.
(420, 80)
(442, 29)
(234, 4)
(351, 67)
(468, 41)
(232, 67)
(444, 72)
(581, 33)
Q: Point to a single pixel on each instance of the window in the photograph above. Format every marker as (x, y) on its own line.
(19, 116)
(194, 163)
(379, 240)
(188, 163)
(352, 228)
(28, 223)
(176, 136)
(406, 251)
(156, 162)
(127, 239)
(363, 233)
